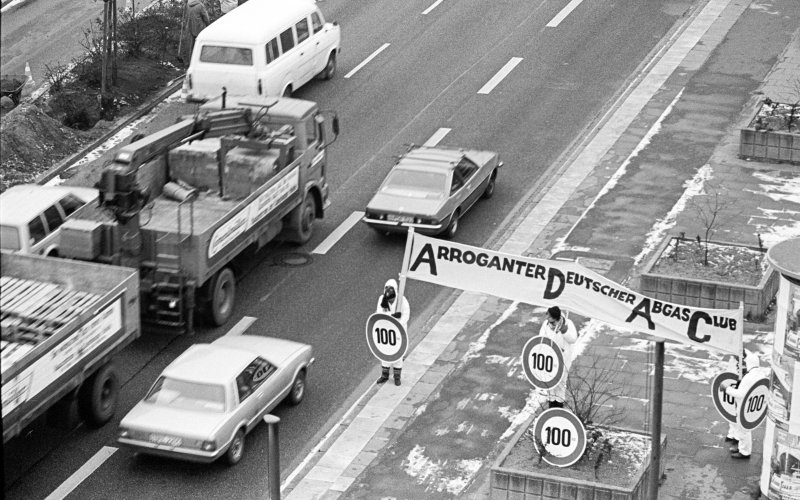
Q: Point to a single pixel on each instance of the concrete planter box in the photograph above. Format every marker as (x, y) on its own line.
(707, 293)
(515, 484)
(766, 138)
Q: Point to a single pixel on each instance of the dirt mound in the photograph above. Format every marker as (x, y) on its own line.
(30, 143)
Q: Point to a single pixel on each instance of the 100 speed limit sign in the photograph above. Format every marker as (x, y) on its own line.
(386, 337)
(543, 362)
(562, 436)
(754, 405)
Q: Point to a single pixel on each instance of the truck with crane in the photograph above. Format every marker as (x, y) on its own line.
(183, 204)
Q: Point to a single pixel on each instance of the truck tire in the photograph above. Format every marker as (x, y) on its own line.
(301, 220)
(97, 397)
(222, 296)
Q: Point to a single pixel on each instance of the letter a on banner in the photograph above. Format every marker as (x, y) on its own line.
(571, 286)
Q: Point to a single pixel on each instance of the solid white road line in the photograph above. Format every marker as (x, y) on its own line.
(436, 137)
(368, 59)
(497, 78)
(241, 327)
(563, 14)
(433, 6)
(85, 471)
(337, 233)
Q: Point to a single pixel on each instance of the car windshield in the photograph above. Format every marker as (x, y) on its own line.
(415, 183)
(9, 238)
(187, 395)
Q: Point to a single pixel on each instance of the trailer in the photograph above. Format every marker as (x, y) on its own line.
(61, 323)
(183, 204)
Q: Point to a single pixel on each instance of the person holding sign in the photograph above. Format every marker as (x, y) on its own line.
(733, 367)
(737, 392)
(562, 332)
(387, 305)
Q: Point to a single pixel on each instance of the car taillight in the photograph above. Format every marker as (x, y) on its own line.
(208, 446)
(123, 432)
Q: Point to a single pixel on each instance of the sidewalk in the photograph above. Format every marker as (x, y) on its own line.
(614, 198)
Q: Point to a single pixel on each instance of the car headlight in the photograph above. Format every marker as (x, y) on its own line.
(209, 446)
(123, 433)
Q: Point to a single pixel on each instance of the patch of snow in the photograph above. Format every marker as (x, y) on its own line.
(476, 347)
(441, 476)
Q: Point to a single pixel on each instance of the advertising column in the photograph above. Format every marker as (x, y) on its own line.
(780, 469)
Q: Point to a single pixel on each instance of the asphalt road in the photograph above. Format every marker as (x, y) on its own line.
(428, 78)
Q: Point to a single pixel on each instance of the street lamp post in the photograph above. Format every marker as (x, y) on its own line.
(273, 466)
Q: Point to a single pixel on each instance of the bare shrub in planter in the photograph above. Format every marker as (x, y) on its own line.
(56, 75)
(712, 210)
(152, 33)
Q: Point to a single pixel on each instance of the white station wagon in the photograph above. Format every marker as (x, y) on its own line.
(205, 402)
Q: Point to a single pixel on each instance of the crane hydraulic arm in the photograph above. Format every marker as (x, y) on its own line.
(119, 191)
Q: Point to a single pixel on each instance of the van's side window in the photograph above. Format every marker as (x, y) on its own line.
(272, 50)
(53, 218)
(287, 40)
(316, 22)
(36, 230)
(226, 55)
(302, 30)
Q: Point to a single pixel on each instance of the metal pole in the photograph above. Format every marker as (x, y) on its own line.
(655, 429)
(403, 270)
(273, 466)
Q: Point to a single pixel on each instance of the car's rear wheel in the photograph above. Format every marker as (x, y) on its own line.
(489, 191)
(236, 449)
(452, 227)
(298, 388)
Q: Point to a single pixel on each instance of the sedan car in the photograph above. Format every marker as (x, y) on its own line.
(431, 188)
(205, 402)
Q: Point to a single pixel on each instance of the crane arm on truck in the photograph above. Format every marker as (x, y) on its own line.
(119, 192)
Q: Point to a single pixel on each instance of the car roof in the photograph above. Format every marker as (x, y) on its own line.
(19, 204)
(210, 364)
(427, 158)
(252, 21)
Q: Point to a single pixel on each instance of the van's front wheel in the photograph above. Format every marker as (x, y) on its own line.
(330, 67)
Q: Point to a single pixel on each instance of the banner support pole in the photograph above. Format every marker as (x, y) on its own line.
(655, 428)
(404, 270)
(741, 342)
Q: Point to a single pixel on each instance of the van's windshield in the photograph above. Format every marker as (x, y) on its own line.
(226, 55)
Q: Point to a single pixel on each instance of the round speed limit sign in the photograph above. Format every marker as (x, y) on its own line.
(561, 434)
(725, 404)
(754, 405)
(386, 337)
(543, 362)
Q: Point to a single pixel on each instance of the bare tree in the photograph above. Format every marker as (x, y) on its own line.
(712, 209)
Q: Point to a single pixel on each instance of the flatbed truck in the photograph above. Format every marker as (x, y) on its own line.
(61, 323)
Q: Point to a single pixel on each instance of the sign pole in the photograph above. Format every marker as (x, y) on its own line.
(655, 428)
(740, 364)
(404, 270)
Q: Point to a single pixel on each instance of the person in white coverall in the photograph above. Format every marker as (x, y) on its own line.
(386, 305)
(733, 367)
(744, 437)
(562, 332)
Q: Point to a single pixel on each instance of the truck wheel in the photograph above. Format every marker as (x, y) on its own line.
(97, 398)
(298, 389)
(236, 449)
(301, 220)
(223, 295)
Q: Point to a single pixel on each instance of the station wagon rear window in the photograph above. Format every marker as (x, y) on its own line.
(415, 183)
(218, 54)
(9, 238)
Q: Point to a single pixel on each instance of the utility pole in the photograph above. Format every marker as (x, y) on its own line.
(655, 428)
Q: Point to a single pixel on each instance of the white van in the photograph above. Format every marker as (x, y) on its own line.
(262, 47)
(31, 215)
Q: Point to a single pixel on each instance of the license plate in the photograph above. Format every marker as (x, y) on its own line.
(166, 440)
(400, 218)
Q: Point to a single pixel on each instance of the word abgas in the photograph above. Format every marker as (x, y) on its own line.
(573, 287)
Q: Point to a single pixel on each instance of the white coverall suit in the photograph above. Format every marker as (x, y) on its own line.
(405, 313)
(753, 375)
(564, 341)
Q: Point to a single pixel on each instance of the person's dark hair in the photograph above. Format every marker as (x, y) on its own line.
(554, 312)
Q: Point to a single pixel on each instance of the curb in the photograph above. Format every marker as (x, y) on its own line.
(64, 164)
